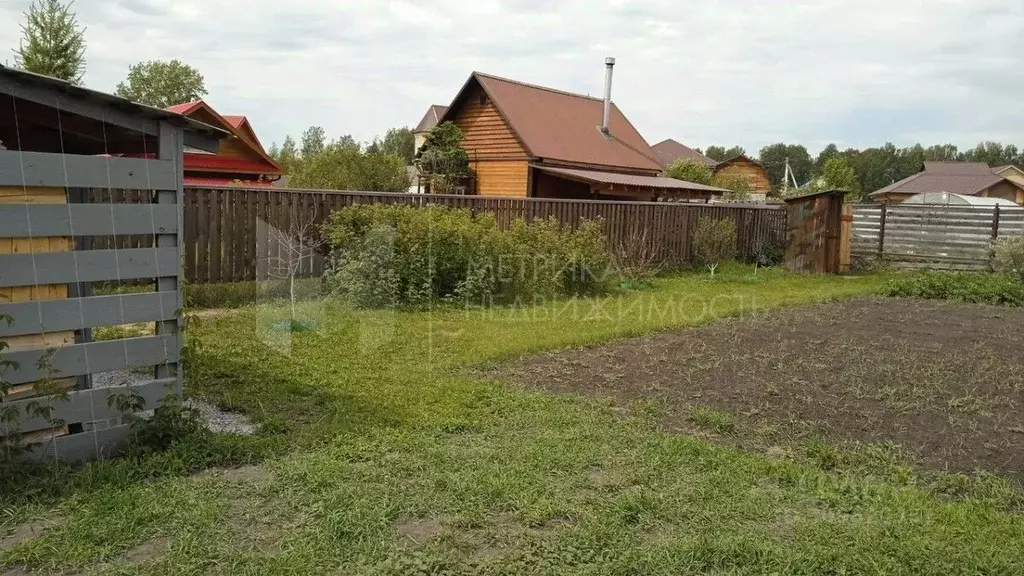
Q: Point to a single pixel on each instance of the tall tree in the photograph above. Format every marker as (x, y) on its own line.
(829, 152)
(313, 141)
(721, 153)
(443, 160)
(942, 153)
(162, 83)
(52, 42)
(837, 174)
(399, 142)
(773, 158)
(288, 155)
(690, 171)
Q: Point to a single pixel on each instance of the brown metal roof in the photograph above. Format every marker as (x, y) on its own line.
(669, 151)
(556, 125)
(967, 178)
(616, 179)
(431, 118)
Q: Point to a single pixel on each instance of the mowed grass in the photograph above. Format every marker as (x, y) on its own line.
(386, 454)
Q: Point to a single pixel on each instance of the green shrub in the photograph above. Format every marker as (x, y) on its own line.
(403, 255)
(714, 242)
(1009, 256)
(979, 288)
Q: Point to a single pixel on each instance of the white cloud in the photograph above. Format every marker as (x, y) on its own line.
(749, 72)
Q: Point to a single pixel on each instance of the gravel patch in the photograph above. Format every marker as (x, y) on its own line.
(215, 419)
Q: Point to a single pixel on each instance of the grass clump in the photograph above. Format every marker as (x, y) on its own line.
(974, 288)
(712, 419)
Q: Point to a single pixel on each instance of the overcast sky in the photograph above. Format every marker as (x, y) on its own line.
(748, 72)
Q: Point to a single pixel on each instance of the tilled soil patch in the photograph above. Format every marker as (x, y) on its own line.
(944, 381)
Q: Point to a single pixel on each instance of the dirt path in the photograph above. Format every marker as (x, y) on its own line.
(944, 381)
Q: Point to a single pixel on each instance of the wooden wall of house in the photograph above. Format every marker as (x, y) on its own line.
(1007, 191)
(501, 177)
(486, 136)
(754, 174)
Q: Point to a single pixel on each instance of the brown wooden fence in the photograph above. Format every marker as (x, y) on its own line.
(223, 225)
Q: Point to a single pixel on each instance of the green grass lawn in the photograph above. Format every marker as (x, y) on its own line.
(386, 455)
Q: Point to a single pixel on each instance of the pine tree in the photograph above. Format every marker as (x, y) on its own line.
(52, 42)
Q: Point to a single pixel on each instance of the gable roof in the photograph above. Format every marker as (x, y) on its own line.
(966, 178)
(556, 125)
(431, 118)
(669, 151)
(238, 126)
(738, 158)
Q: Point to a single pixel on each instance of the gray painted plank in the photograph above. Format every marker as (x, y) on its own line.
(43, 316)
(82, 447)
(73, 171)
(92, 357)
(92, 405)
(87, 266)
(37, 220)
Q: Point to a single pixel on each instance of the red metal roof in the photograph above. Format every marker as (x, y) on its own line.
(669, 151)
(556, 125)
(967, 178)
(239, 127)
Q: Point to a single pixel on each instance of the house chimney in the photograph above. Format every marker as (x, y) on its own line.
(609, 63)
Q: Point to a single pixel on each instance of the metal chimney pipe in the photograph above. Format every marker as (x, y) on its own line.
(609, 63)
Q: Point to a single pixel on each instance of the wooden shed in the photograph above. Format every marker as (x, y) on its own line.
(814, 232)
(60, 146)
(748, 169)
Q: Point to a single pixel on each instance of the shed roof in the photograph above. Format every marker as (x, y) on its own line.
(967, 178)
(431, 118)
(670, 150)
(557, 125)
(41, 93)
(630, 180)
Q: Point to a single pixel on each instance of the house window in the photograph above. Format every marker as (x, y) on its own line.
(483, 99)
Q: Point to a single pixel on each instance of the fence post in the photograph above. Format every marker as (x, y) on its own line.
(881, 232)
(995, 223)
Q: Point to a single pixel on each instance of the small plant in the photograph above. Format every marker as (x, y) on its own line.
(1008, 256)
(636, 260)
(714, 242)
(172, 422)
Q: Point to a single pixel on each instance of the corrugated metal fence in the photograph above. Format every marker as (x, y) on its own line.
(223, 227)
(932, 236)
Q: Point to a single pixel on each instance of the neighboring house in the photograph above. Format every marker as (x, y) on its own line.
(527, 140)
(430, 119)
(747, 168)
(1011, 173)
(965, 178)
(240, 161)
(669, 151)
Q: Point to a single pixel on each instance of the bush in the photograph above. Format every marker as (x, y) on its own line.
(714, 242)
(978, 288)
(1009, 256)
(401, 255)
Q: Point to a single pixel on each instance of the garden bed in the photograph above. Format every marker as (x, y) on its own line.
(943, 381)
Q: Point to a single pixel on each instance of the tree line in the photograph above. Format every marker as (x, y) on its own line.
(865, 170)
(343, 163)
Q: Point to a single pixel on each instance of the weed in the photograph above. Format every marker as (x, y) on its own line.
(712, 419)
